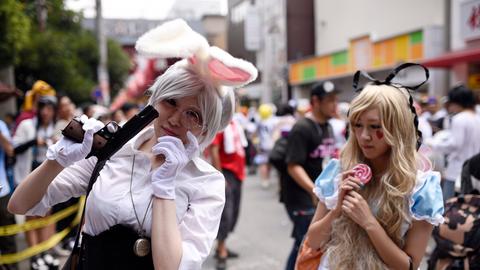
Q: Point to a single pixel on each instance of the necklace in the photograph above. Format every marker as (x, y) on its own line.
(141, 247)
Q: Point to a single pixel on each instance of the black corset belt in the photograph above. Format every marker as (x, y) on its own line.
(112, 249)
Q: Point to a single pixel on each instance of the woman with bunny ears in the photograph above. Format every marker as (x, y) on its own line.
(156, 204)
(384, 223)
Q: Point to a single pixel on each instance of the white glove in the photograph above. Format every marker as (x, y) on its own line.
(66, 152)
(176, 157)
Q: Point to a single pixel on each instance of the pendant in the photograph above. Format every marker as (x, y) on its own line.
(141, 247)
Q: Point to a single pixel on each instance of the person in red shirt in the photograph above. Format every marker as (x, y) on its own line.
(228, 156)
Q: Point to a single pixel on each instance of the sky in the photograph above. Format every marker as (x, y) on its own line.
(148, 9)
(128, 9)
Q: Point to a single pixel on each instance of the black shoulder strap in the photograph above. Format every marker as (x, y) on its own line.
(96, 172)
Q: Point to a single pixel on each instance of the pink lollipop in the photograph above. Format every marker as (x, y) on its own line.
(363, 172)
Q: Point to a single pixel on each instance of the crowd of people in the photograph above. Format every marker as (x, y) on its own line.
(25, 140)
(177, 185)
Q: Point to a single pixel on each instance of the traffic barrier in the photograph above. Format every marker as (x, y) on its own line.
(39, 223)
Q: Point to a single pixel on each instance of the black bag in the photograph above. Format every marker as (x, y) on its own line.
(19, 149)
(458, 239)
(278, 154)
(470, 174)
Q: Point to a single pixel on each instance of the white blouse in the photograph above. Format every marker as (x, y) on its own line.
(200, 197)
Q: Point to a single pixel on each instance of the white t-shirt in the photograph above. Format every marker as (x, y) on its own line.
(199, 188)
(338, 127)
(23, 166)
(463, 142)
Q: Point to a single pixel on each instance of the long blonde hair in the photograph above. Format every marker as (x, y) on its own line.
(350, 247)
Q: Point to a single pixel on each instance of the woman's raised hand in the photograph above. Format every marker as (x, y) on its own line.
(177, 155)
(350, 202)
(349, 182)
(356, 208)
(66, 152)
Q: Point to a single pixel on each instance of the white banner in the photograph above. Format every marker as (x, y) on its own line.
(470, 20)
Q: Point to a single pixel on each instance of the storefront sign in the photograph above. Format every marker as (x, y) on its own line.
(470, 20)
(362, 54)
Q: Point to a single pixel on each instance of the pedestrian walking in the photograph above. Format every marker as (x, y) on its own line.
(310, 143)
(228, 156)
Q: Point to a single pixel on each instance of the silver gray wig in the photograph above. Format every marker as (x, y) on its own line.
(178, 82)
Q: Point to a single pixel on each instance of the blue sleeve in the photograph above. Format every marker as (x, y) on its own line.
(4, 131)
(326, 184)
(426, 202)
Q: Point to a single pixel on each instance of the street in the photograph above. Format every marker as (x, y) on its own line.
(262, 236)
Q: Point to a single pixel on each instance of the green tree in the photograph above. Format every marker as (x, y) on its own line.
(14, 31)
(66, 56)
(61, 60)
(118, 66)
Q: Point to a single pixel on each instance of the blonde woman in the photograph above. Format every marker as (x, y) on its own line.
(385, 224)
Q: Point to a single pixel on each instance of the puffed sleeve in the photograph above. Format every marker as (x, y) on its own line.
(326, 184)
(200, 224)
(426, 202)
(71, 182)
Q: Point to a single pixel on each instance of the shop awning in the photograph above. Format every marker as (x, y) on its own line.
(454, 57)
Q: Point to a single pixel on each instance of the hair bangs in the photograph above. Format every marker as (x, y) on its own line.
(178, 82)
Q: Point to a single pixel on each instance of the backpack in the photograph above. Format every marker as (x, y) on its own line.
(458, 238)
(277, 155)
(470, 176)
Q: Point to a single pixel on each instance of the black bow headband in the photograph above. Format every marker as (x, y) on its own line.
(388, 81)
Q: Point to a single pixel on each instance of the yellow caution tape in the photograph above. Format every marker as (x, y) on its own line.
(45, 245)
(37, 223)
(31, 251)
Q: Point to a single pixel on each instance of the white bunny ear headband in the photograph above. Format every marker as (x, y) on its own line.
(176, 39)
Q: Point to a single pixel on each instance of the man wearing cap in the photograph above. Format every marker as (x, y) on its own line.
(310, 144)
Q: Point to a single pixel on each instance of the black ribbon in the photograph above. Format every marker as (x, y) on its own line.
(388, 81)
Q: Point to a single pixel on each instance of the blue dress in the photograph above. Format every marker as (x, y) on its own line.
(424, 203)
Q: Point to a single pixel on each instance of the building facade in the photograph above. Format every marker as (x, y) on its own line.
(370, 35)
(462, 60)
(270, 33)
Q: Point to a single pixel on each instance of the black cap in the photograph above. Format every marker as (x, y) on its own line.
(323, 88)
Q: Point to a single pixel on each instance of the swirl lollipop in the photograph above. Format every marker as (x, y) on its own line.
(362, 172)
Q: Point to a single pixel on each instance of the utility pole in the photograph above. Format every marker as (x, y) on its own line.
(102, 70)
(41, 7)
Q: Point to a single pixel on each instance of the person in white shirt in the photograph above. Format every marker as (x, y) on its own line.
(462, 139)
(155, 189)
